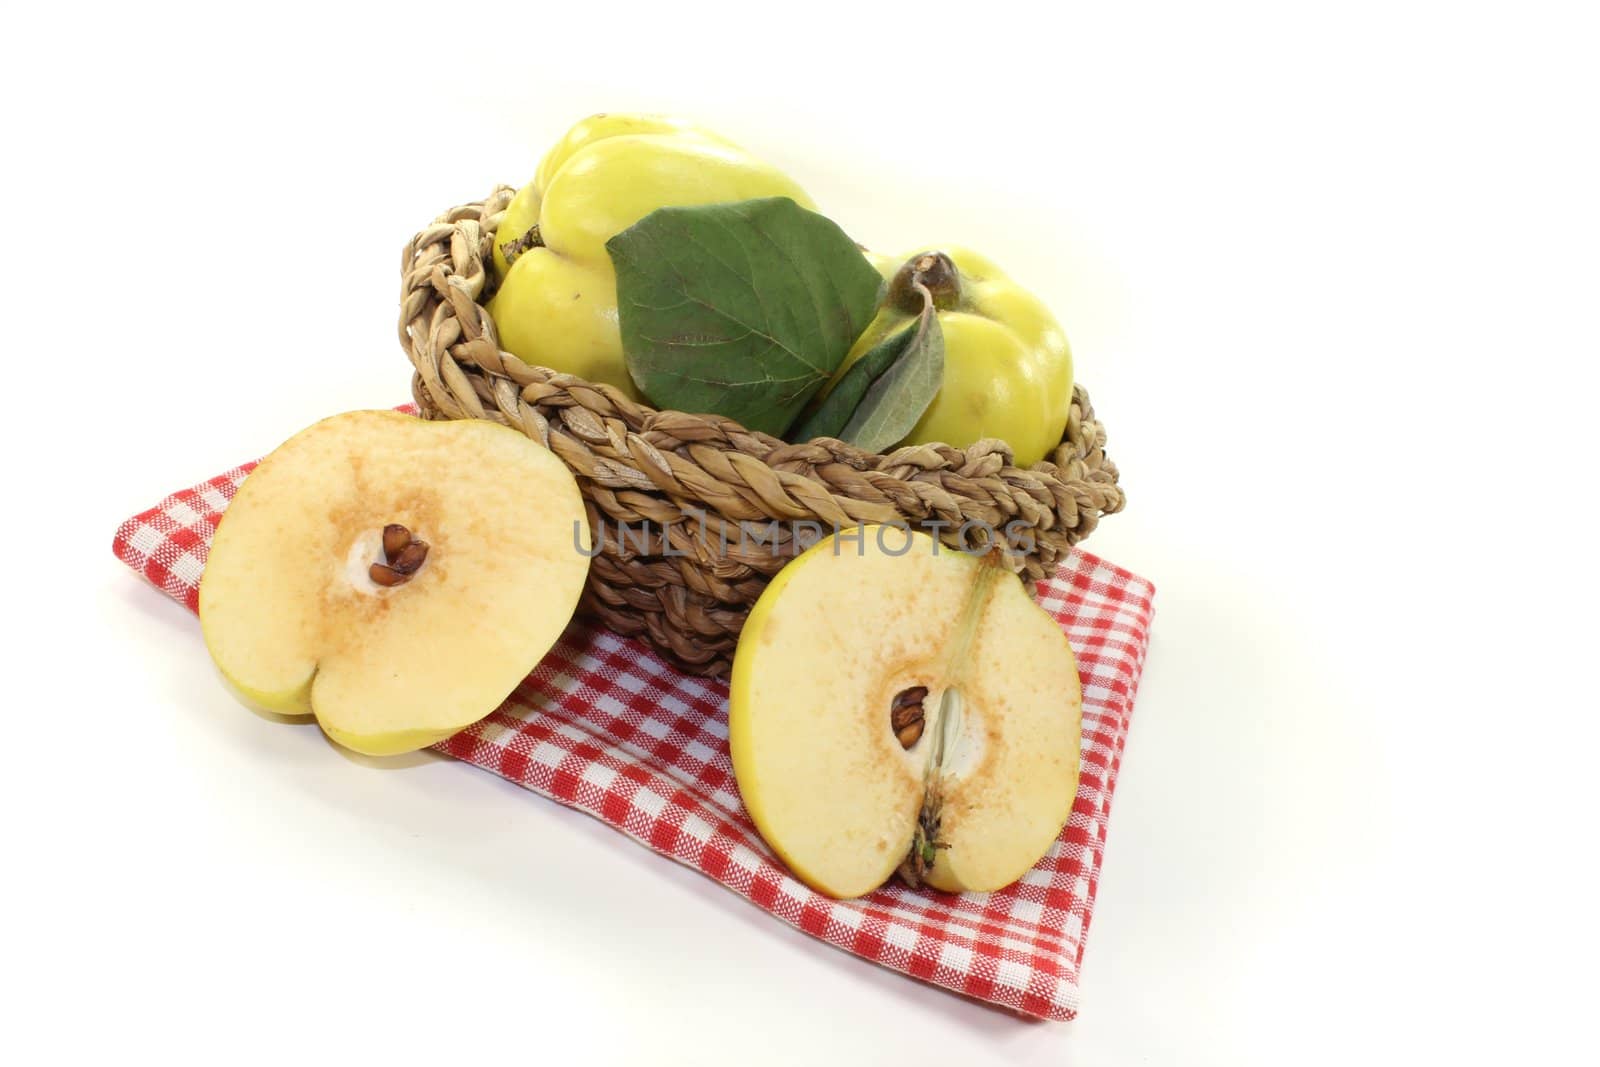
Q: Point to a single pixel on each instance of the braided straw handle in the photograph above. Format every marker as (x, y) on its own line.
(700, 481)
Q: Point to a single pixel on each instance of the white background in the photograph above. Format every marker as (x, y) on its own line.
(1330, 274)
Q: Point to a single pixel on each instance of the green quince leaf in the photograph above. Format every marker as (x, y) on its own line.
(828, 419)
(905, 372)
(742, 309)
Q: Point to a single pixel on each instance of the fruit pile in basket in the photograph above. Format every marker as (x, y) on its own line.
(896, 704)
(659, 258)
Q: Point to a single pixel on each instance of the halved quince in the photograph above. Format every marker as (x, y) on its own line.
(897, 705)
(394, 577)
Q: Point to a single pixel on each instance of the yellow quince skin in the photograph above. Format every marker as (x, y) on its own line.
(1007, 364)
(557, 302)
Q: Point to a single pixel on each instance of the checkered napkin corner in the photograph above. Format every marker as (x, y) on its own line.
(606, 726)
(168, 543)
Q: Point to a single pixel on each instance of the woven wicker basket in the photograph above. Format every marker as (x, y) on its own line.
(692, 480)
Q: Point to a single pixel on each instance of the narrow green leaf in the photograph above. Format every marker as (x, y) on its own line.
(898, 397)
(828, 419)
(743, 309)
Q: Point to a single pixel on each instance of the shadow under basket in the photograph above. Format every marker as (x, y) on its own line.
(693, 514)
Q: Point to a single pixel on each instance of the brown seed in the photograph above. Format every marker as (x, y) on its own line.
(905, 715)
(386, 576)
(915, 695)
(395, 540)
(910, 734)
(410, 558)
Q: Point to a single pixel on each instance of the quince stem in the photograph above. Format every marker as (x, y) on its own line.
(518, 245)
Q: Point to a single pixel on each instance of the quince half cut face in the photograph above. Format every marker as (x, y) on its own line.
(394, 577)
(897, 705)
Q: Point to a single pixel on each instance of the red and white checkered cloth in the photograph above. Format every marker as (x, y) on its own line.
(607, 726)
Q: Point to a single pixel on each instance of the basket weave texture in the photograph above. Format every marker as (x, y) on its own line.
(711, 510)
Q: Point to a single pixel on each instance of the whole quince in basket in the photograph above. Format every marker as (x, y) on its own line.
(557, 302)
